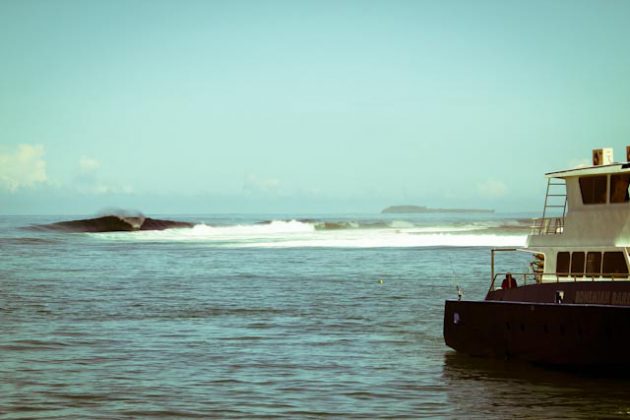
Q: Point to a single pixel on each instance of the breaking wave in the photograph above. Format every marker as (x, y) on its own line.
(111, 223)
(337, 234)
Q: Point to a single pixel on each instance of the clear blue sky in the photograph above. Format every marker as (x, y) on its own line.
(304, 106)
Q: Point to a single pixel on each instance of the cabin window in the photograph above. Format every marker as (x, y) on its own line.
(562, 263)
(615, 264)
(594, 264)
(619, 188)
(577, 264)
(593, 189)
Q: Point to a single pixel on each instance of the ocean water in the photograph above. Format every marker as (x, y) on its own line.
(259, 316)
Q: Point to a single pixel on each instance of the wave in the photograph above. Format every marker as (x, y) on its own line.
(513, 225)
(111, 223)
(437, 240)
(275, 227)
(325, 234)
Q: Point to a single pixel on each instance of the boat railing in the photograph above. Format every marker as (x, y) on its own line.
(548, 226)
(520, 278)
(523, 279)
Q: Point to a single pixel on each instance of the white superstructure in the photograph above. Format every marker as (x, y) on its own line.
(589, 235)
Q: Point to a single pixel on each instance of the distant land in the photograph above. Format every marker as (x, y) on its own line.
(424, 209)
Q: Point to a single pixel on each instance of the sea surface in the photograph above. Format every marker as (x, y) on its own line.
(261, 316)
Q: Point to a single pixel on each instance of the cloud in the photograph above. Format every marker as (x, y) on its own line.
(23, 168)
(98, 188)
(254, 184)
(491, 188)
(88, 164)
(89, 180)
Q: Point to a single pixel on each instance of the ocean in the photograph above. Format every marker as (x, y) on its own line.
(262, 316)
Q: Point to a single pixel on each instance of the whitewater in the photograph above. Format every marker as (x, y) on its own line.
(333, 233)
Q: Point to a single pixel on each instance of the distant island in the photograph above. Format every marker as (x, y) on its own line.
(424, 209)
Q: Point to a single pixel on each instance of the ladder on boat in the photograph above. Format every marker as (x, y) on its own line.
(555, 209)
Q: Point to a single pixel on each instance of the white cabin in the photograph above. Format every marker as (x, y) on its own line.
(588, 237)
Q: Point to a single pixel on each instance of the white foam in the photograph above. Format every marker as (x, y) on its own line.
(203, 232)
(401, 224)
(445, 229)
(276, 227)
(395, 241)
(295, 234)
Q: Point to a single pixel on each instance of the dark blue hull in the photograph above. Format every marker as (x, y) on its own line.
(545, 333)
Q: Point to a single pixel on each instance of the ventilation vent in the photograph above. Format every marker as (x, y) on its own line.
(604, 156)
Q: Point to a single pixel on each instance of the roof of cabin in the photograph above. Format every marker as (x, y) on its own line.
(591, 170)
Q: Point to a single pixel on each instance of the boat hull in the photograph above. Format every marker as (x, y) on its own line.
(545, 333)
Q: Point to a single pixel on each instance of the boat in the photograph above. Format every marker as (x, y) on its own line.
(572, 306)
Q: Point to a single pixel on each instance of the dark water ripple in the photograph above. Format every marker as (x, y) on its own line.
(129, 330)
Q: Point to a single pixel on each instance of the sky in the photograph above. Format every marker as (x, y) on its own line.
(304, 106)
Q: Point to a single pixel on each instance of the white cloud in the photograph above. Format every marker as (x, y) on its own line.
(491, 188)
(254, 184)
(89, 180)
(88, 164)
(23, 168)
(98, 188)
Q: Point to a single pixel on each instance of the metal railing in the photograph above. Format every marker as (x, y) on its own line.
(533, 278)
(548, 226)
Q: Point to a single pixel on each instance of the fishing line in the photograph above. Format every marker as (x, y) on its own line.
(458, 289)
